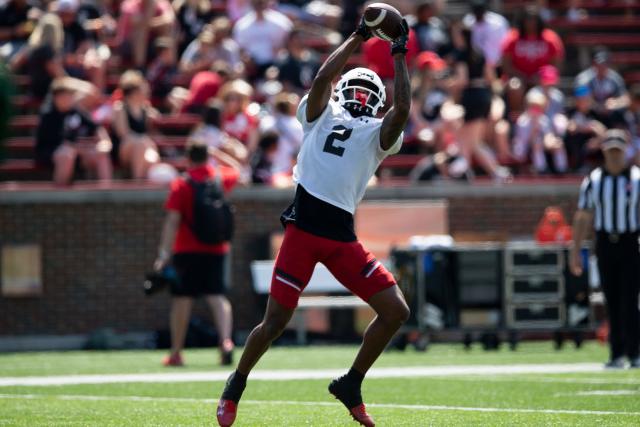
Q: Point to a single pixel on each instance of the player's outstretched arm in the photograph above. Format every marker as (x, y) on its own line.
(321, 87)
(396, 118)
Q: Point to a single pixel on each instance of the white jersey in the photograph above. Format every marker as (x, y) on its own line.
(339, 155)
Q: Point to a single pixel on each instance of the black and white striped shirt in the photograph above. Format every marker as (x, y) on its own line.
(613, 198)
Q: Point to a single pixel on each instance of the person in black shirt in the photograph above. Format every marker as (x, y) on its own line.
(609, 202)
(475, 75)
(584, 131)
(81, 58)
(65, 133)
(44, 54)
(298, 66)
(192, 16)
(431, 32)
(131, 117)
(15, 27)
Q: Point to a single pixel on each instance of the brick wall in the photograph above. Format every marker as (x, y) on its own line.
(96, 246)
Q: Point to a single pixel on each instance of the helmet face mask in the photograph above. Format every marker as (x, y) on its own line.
(361, 92)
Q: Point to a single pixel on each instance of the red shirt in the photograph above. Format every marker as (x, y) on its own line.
(240, 125)
(377, 55)
(204, 86)
(529, 54)
(181, 200)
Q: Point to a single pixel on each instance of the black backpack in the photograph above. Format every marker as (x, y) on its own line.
(212, 213)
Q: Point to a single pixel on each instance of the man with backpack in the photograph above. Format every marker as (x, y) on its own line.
(195, 241)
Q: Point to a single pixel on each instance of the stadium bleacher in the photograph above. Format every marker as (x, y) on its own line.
(609, 23)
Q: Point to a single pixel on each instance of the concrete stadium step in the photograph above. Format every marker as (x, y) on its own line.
(609, 23)
(170, 124)
(610, 40)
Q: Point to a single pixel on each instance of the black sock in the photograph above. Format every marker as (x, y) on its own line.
(234, 387)
(355, 377)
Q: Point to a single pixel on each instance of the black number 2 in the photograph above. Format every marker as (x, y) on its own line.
(339, 133)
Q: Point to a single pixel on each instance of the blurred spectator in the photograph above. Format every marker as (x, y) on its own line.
(324, 14)
(583, 130)
(213, 44)
(488, 30)
(236, 9)
(297, 65)
(15, 27)
(200, 54)
(530, 46)
(203, 86)
(237, 120)
(475, 75)
(261, 34)
(632, 117)
(209, 131)
(448, 161)
(574, 12)
(289, 130)
(131, 120)
(431, 32)
(607, 88)
(433, 83)
(549, 79)
(139, 24)
(351, 13)
(162, 71)
(81, 59)
(191, 16)
(44, 54)
(534, 138)
(262, 159)
(97, 19)
(65, 133)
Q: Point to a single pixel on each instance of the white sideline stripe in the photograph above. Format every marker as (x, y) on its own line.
(375, 266)
(601, 393)
(286, 282)
(319, 374)
(303, 403)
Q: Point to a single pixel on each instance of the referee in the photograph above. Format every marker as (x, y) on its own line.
(609, 197)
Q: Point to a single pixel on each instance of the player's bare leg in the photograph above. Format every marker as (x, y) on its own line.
(392, 311)
(275, 320)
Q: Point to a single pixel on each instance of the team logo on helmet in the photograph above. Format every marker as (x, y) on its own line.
(361, 92)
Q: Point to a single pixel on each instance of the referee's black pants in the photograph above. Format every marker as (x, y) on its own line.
(619, 265)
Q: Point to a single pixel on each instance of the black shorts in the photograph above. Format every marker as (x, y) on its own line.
(476, 102)
(200, 274)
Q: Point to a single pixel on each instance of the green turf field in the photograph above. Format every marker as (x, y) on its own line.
(593, 398)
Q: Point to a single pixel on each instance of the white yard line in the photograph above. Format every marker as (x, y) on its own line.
(316, 404)
(601, 393)
(305, 374)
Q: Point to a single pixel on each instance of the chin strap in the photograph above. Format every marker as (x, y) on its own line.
(357, 110)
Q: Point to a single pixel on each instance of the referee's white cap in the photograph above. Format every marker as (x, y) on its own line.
(615, 138)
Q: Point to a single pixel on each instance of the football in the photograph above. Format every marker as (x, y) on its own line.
(384, 21)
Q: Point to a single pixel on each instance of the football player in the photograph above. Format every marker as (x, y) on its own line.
(343, 146)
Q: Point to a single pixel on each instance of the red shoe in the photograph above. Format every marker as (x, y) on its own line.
(349, 394)
(173, 360)
(359, 413)
(226, 412)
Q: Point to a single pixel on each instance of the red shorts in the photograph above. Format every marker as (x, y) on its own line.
(349, 262)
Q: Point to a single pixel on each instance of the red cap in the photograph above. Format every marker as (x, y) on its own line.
(430, 60)
(549, 75)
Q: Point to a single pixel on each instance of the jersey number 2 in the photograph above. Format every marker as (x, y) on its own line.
(339, 133)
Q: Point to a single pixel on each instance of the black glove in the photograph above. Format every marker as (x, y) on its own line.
(399, 45)
(363, 30)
